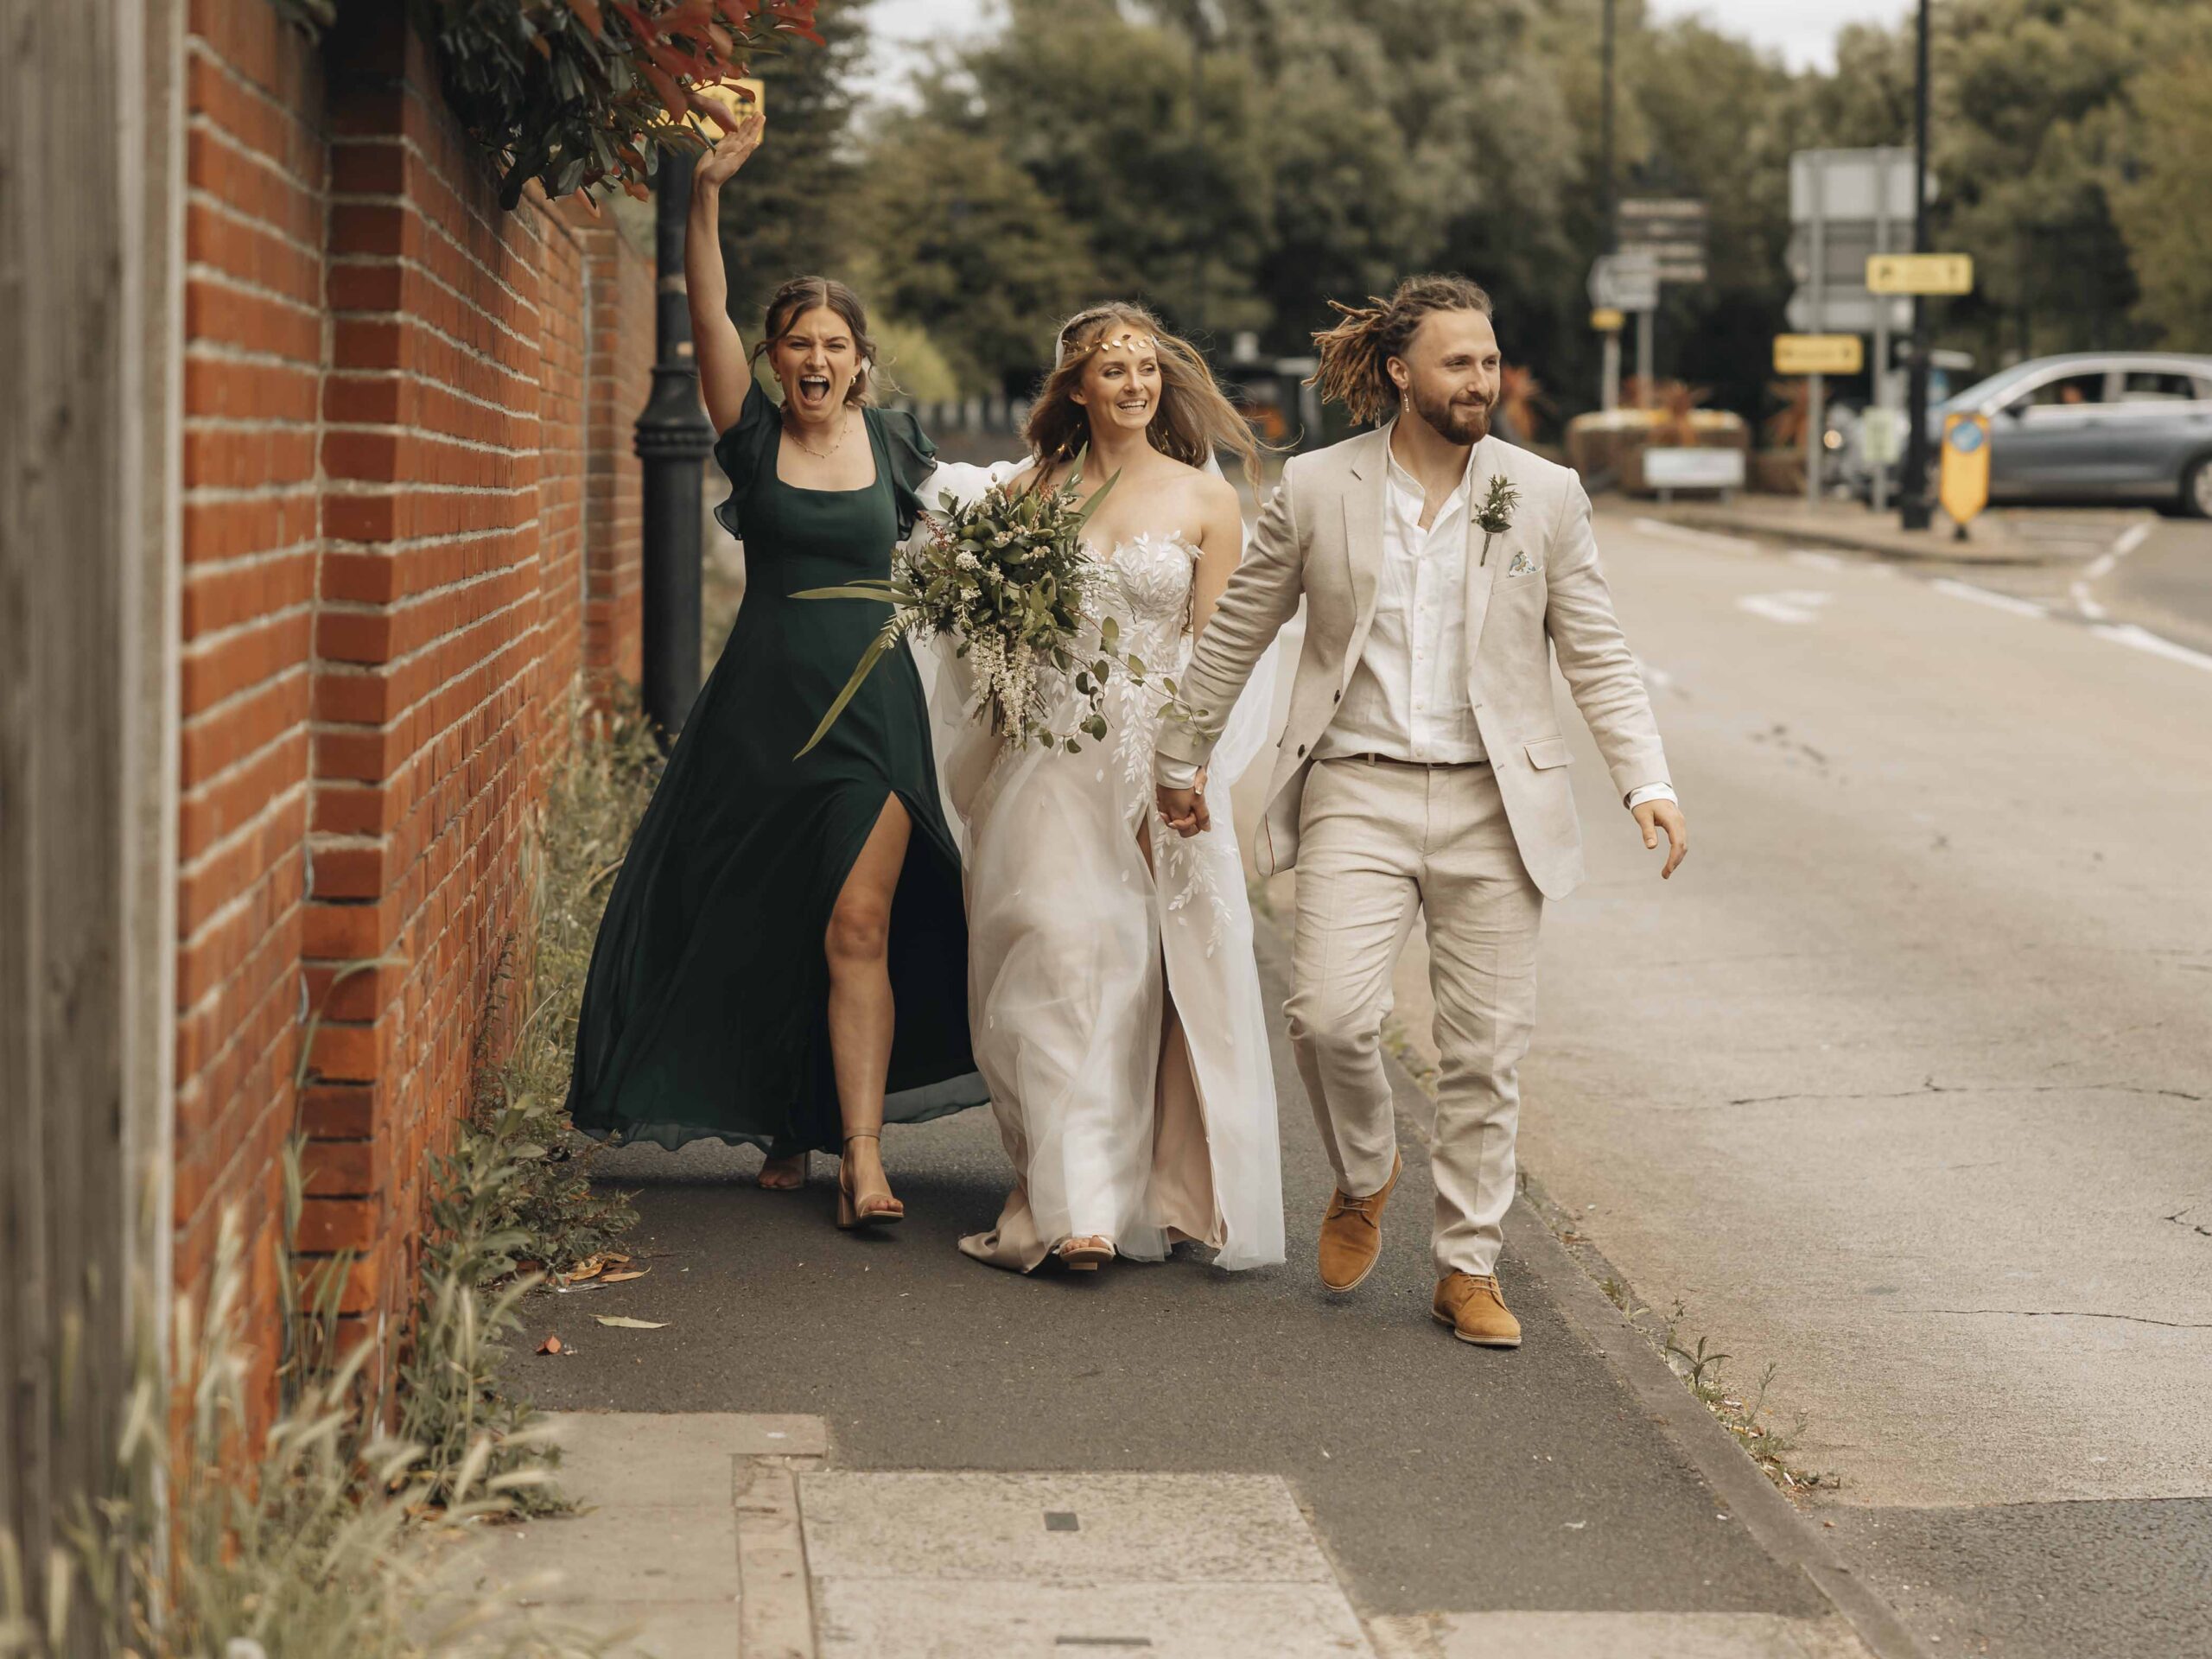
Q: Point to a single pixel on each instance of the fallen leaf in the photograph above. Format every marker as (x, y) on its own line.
(629, 1323)
(590, 1267)
(627, 1272)
(550, 1345)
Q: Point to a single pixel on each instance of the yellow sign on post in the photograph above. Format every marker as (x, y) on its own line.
(1963, 486)
(1920, 273)
(1818, 353)
(1607, 320)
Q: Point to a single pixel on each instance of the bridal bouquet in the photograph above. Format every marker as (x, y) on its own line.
(1007, 578)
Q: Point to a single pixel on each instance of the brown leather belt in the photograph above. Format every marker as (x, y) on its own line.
(1374, 759)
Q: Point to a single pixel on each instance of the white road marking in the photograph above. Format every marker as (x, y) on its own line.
(2130, 538)
(1795, 607)
(1983, 596)
(2135, 639)
(1817, 560)
(1667, 531)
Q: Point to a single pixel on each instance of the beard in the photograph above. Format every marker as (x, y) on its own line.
(1455, 421)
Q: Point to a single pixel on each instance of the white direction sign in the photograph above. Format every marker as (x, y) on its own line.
(1848, 311)
(1624, 282)
(1842, 184)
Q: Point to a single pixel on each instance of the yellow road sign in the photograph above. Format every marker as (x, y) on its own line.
(1818, 353)
(1920, 273)
(1963, 485)
(1607, 321)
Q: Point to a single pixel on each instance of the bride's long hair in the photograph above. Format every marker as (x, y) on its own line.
(1193, 419)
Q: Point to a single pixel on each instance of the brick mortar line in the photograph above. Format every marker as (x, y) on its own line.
(228, 773)
(415, 430)
(199, 46)
(341, 728)
(407, 147)
(203, 350)
(225, 208)
(413, 601)
(221, 916)
(205, 271)
(533, 308)
(199, 644)
(214, 851)
(338, 314)
(200, 121)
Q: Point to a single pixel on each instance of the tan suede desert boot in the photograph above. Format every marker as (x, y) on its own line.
(1351, 1233)
(1470, 1304)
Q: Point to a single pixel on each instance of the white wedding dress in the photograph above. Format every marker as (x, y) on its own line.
(1114, 1002)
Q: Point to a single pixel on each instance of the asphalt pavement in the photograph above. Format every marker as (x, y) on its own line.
(1440, 1479)
(1903, 1085)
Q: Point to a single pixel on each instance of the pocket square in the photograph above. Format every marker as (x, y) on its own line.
(1521, 565)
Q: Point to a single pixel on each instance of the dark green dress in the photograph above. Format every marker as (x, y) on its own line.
(704, 1013)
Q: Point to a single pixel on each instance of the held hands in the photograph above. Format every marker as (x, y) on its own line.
(1653, 818)
(732, 150)
(1184, 811)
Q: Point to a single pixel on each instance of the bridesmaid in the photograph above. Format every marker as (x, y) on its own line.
(784, 958)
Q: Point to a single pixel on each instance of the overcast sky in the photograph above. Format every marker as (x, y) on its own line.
(1802, 31)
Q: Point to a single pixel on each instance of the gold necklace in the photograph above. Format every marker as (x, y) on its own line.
(844, 426)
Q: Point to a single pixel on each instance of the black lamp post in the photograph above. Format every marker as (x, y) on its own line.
(1913, 508)
(673, 441)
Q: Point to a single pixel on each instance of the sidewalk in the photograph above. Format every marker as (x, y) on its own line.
(1991, 539)
(1160, 1460)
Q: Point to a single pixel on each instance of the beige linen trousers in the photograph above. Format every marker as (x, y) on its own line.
(1477, 848)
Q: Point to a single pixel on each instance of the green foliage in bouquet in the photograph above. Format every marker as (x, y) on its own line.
(1009, 578)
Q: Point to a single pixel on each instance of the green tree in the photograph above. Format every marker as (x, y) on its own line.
(790, 212)
(1097, 107)
(962, 243)
(2162, 199)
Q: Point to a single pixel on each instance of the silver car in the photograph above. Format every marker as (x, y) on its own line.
(2096, 426)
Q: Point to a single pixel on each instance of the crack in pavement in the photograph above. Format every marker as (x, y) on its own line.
(1932, 1087)
(2194, 1227)
(2067, 1314)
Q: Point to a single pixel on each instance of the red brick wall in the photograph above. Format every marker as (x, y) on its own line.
(406, 457)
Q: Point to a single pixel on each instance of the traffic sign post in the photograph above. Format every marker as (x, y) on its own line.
(1620, 282)
(1963, 482)
(1667, 236)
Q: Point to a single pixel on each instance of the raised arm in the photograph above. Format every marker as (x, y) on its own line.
(723, 373)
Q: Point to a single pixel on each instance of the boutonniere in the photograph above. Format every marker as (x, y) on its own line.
(1496, 516)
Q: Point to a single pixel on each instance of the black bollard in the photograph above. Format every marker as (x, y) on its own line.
(674, 439)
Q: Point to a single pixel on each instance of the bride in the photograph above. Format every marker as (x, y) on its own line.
(1113, 998)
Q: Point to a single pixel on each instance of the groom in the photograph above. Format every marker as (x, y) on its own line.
(1441, 568)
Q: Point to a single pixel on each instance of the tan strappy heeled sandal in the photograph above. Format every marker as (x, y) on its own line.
(876, 1212)
(1085, 1254)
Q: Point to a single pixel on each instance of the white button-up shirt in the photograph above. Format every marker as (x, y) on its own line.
(1408, 698)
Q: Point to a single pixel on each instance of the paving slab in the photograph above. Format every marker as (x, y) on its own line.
(902, 1618)
(1613, 1636)
(641, 1460)
(1058, 1528)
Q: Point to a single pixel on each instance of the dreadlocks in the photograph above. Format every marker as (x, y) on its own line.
(1355, 354)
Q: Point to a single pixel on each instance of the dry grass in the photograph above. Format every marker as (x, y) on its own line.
(1742, 1412)
(205, 1551)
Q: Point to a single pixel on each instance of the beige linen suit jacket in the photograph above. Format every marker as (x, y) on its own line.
(1320, 536)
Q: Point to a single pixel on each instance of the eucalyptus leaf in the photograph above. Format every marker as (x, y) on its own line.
(869, 657)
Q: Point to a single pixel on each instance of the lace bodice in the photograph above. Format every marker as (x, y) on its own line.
(1150, 595)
